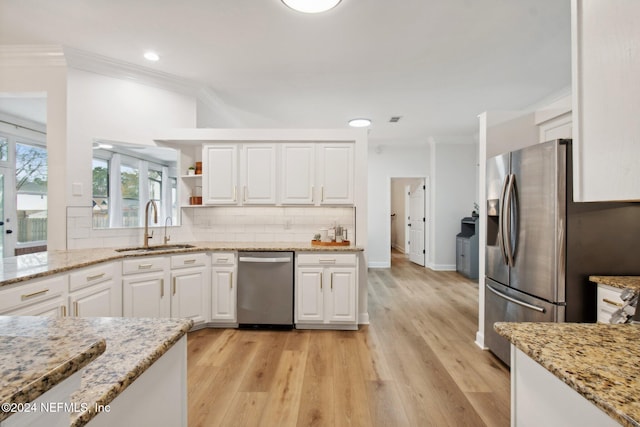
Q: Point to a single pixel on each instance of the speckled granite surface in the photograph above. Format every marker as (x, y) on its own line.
(599, 361)
(31, 364)
(622, 282)
(132, 345)
(31, 266)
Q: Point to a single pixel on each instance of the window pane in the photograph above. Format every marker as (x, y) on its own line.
(31, 189)
(155, 188)
(129, 179)
(100, 193)
(4, 149)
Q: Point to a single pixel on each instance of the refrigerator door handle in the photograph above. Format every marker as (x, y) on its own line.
(509, 212)
(501, 213)
(516, 301)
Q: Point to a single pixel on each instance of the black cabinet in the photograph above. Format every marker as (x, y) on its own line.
(467, 248)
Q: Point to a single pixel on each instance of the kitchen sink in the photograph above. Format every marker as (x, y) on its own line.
(155, 248)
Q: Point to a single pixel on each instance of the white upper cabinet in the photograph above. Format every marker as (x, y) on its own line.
(220, 174)
(297, 173)
(606, 88)
(258, 166)
(336, 173)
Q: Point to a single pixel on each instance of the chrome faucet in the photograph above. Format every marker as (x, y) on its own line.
(167, 238)
(148, 236)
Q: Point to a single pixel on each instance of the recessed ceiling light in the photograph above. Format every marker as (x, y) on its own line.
(151, 56)
(311, 6)
(359, 123)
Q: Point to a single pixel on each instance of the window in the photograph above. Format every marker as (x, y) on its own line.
(130, 190)
(100, 193)
(31, 193)
(4, 149)
(155, 188)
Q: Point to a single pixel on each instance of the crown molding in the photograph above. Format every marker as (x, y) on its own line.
(87, 61)
(32, 56)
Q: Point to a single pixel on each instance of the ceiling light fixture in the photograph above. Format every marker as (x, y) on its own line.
(311, 6)
(359, 123)
(151, 56)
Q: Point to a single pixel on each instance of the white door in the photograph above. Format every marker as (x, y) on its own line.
(187, 294)
(417, 224)
(298, 173)
(223, 295)
(259, 174)
(220, 175)
(336, 174)
(342, 288)
(7, 211)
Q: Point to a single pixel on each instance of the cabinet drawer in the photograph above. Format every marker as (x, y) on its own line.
(142, 265)
(33, 291)
(91, 276)
(608, 302)
(223, 258)
(328, 258)
(188, 260)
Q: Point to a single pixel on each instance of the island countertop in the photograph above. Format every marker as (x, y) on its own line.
(599, 361)
(132, 346)
(31, 266)
(620, 282)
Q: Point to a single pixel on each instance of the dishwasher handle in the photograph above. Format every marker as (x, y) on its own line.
(263, 260)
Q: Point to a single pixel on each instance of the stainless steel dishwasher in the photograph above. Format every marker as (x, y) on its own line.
(265, 290)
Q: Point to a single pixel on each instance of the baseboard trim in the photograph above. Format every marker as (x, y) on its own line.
(480, 340)
(363, 318)
(443, 267)
(379, 264)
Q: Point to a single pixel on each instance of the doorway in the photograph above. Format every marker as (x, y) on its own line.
(409, 212)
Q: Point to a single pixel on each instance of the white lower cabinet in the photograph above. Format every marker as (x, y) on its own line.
(189, 277)
(223, 288)
(96, 291)
(144, 287)
(326, 291)
(41, 297)
(608, 302)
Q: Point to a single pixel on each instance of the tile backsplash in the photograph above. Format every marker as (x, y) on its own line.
(220, 224)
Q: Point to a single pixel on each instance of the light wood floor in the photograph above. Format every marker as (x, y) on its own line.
(415, 365)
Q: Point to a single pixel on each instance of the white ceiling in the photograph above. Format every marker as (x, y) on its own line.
(436, 63)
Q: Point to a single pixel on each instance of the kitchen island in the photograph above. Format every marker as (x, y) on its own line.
(587, 373)
(131, 371)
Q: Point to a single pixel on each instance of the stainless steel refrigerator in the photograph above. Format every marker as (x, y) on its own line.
(541, 247)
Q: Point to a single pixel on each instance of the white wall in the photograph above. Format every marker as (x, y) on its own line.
(385, 163)
(453, 193)
(113, 109)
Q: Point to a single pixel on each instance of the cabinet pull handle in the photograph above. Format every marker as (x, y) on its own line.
(231, 280)
(189, 261)
(331, 281)
(174, 286)
(328, 261)
(76, 308)
(63, 309)
(144, 266)
(608, 301)
(94, 277)
(320, 281)
(161, 288)
(322, 193)
(222, 260)
(34, 294)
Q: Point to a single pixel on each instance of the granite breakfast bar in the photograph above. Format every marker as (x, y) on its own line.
(132, 371)
(574, 374)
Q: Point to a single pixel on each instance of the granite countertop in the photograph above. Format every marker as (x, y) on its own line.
(31, 266)
(622, 282)
(132, 345)
(31, 364)
(599, 361)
